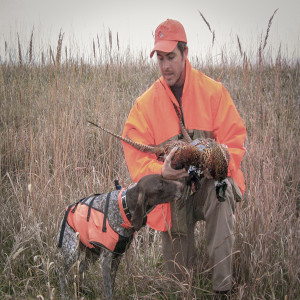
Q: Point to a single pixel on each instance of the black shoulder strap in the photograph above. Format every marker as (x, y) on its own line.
(105, 212)
(90, 207)
(63, 226)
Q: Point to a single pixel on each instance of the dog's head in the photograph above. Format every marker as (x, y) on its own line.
(152, 190)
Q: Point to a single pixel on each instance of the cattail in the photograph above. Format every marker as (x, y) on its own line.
(110, 38)
(240, 46)
(98, 42)
(208, 25)
(66, 53)
(268, 29)
(214, 37)
(118, 44)
(59, 46)
(30, 47)
(94, 49)
(20, 52)
(43, 58)
(206, 22)
(52, 56)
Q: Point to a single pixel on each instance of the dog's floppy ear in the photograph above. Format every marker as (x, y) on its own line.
(138, 215)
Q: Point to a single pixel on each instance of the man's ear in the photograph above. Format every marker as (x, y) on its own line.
(186, 51)
(138, 215)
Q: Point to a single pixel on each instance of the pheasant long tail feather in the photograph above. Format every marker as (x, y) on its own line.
(138, 146)
(184, 132)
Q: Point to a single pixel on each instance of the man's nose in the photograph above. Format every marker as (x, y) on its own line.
(165, 65)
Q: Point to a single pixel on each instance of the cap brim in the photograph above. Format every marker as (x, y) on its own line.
(164, 46)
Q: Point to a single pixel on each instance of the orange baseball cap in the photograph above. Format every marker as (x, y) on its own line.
(167, 35)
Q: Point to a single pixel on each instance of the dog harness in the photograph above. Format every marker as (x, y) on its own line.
(93, 226)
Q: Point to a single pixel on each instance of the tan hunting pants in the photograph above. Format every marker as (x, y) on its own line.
(179, 243)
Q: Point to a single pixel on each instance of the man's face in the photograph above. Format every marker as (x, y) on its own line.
(172, 66)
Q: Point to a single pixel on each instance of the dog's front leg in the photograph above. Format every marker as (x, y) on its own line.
(69, 254)
(106, 258)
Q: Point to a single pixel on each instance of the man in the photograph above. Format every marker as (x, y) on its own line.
(207, 111)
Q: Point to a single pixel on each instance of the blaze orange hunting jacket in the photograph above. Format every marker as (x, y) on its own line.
(208, 111)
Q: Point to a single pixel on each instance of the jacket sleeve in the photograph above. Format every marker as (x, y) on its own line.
(229, 129)
(139, 130)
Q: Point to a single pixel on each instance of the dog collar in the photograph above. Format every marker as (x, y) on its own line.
(125, 213)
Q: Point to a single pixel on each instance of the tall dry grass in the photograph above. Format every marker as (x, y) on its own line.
(50, 157)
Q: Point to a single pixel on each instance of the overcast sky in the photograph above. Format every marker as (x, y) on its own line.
(135, 22)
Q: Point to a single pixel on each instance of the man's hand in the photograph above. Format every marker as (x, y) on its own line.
(168, 172)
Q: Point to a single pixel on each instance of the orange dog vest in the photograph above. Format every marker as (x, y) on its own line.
(94, 228)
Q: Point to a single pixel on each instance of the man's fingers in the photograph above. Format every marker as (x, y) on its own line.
(183, 173)
(170, 173)
(171, 154)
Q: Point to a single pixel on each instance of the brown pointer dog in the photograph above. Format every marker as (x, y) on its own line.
(135, 205)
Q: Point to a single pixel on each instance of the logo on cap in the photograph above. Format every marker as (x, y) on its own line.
(161, 34)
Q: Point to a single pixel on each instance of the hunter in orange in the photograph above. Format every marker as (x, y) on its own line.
(207, 111)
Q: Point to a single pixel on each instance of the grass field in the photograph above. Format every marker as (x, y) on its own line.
(50, 157)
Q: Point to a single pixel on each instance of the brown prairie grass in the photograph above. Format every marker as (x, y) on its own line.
(50, 157)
